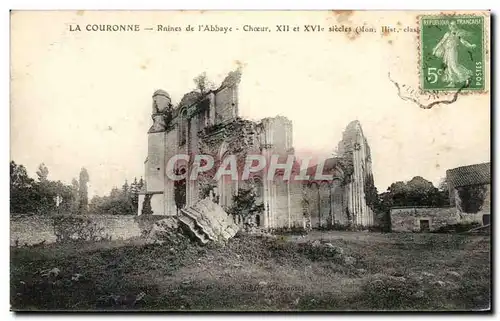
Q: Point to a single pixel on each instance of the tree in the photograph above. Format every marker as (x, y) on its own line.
(75, 185)
(245, 203)
(125, 188)
(203, 84)
(134, 193)
(421, 192)
(416, 192)
(22, 190)
(371, 193)
(66, 195)
(42, 172)
(19, 176)
(37, 197)
(53, 196)
(471, 198)
(118, 202)
(180, 193)
(96, 204)
(115, 193)
(83, 192)
(46, 191)
(443, 185)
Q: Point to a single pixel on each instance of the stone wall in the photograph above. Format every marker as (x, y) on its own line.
(225, 104)
(35, 229)
(486, 209)
(155, 164)
(280, 209)
(408, 219)
(157, 204)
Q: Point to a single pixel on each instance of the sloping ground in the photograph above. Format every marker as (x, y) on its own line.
(385, 271)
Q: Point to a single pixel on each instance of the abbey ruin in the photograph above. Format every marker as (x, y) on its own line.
(208, 123)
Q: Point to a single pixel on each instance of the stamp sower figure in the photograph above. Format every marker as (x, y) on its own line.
(447, 49)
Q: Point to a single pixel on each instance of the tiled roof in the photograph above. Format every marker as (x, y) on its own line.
(470, 175)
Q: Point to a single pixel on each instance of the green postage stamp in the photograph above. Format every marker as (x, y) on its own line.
(452, 53)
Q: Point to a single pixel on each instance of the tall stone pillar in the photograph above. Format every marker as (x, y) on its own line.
(155, 165)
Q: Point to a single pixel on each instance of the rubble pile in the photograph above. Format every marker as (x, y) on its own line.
(207, 221)
(165, 230)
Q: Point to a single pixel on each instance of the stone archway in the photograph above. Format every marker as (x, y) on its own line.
(257, 220)
(226, 186)
(258, 185)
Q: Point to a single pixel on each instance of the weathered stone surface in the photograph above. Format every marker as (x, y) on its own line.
(30, 230)
(407, 219)
(161, 101)
(207, 221)
(161, 107)
(159, 123)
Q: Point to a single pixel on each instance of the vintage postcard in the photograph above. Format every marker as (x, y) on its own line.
(250, 161)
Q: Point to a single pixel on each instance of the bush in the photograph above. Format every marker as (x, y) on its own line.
(69, 228)
(377, 228)
(389, 293)
(245, 204)
(349, 227)
(294, 230)
(471, 198)
(341, 227)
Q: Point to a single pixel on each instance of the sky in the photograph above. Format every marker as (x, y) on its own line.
(83, 99)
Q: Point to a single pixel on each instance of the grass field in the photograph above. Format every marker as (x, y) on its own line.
(383, 272)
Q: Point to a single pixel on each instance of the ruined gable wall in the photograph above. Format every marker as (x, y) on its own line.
(225, 104)
(226, 98)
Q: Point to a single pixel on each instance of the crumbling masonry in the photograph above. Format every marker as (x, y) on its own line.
(208, 124)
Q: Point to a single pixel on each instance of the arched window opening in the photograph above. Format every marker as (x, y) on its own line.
(183, 128)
